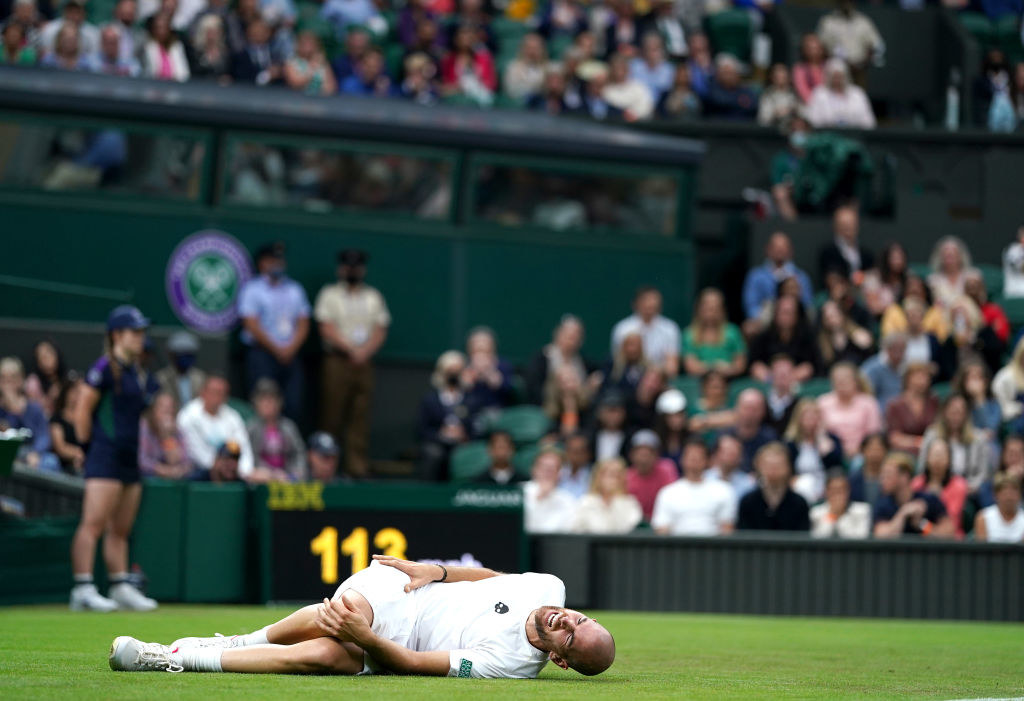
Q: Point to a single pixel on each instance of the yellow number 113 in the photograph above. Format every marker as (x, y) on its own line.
(356, 546)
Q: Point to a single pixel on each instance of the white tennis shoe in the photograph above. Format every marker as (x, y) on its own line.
(130, 655)
(129, 598)
(85, 597)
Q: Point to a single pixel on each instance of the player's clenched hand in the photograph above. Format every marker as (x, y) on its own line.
(347, 623)
(419, 573)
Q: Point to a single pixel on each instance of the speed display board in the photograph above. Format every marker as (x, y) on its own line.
(313, 536)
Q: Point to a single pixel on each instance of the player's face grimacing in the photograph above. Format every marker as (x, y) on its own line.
(575, 640)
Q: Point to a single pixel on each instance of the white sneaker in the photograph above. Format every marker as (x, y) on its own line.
(217, 641)
(131, 599)
(84, 597)
(130, 655)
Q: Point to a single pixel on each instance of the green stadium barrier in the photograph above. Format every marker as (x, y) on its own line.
(35, 555)
(157, 541)
(215, 540)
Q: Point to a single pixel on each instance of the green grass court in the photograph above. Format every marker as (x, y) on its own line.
(46, 651)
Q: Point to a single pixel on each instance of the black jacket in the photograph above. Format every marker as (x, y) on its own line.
(831, 259)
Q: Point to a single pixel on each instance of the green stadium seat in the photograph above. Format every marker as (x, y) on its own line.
(942, 390)
(503, 101)
(524, 458)
(243, 407)
(690, 387)
(1014, 308)
(526, 423)
(1007, 31)
(558, 45)
(815, 387)
(993, 276)
(730, 31)
(508, 33)
(742, 383)
(980, 27)
(393, 53)
(469, 461)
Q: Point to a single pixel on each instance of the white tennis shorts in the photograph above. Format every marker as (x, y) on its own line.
(394, 611)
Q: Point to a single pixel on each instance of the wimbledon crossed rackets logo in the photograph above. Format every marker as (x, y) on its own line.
(204, 276)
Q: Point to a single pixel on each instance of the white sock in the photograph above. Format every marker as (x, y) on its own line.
(201, 659)
(257, 637)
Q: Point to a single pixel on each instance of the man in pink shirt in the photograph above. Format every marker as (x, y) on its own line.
(648, 472)
(848, 412)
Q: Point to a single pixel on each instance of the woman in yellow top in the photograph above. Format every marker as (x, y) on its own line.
(933, 320)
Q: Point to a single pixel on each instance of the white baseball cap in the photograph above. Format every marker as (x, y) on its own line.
(671, 401)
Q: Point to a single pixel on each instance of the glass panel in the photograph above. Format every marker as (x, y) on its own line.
(323, 178)
(68, 157)
(575, 201)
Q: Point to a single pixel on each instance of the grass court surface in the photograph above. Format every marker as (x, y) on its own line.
(46, 652)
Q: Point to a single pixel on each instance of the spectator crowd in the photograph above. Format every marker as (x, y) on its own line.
(877, 403)
(622, 59)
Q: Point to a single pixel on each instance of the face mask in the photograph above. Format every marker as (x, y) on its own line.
(276, 272)
(184, 362)
(353, 278)
(452, 380)
(798, 139)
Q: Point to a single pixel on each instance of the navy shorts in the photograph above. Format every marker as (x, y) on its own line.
(106, 462)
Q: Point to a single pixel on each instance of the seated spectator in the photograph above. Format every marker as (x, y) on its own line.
(277, 447)
(885, 369)
(809, 71)
(841, 291)
(680, 101)
(488, 378)
(1013, 267)
(840, 339)
(564, 350)
(710, 341)
(468, 68)
(760, 288)
(909, 414)
(68, 54)
(845, 254)
(652, 67)
(308, 70)
(939, 480)
(902, 511)
(773, 506)
(661, 336)
(848, 411)
(609, 436)
(46, 380)
(607, 508)
(547, 508)
(357, 44)
(850, 35)
(922, 346)
(214, 434)
(622, 35)
(180, 377)
(648, 471)
(640, 408)
(322, 458)
(726, 97)
(664, 21)
(63, 437)
(930, 319)
(749, 426)
(500, 472)
(813, 450)
(631, 97)
(111, 60)
(476, 13)
(838, 103)
(342, 14)
(969, 451)
(883, 285)
(15, 50)
(1002, 522)
(993, 332)
(552, 97)
(72, 14)
(575, 475)
(163, 56)
(671, 424)
(788, 334)
(972, 382)
(712, 411)
(421, 82)
(210, 58)
(17, 411)
(524, 75)
(446, 416)
(838, 516)
(161, 445)
(950, 261)
(695, 505)
(567, 401)
(778, 104)
(370, 78)
(866, 469)
(782, 397)
(256, 62)
(623, 372)
(727, 465)
(701, 63)
(562, 18)
(1008, 388)
(413, 15)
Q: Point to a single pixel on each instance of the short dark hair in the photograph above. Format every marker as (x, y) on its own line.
(697, 442)
(499, 433)
(211, 376)
(644, 289)
(871, 438)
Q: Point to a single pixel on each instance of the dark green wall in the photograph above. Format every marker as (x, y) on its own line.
(438, 283)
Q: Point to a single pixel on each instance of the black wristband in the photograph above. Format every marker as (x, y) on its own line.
(443, 576)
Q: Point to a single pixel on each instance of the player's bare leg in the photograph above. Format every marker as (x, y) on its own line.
(320, 656)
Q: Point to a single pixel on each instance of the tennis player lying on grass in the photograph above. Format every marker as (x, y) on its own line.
(407, 618)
